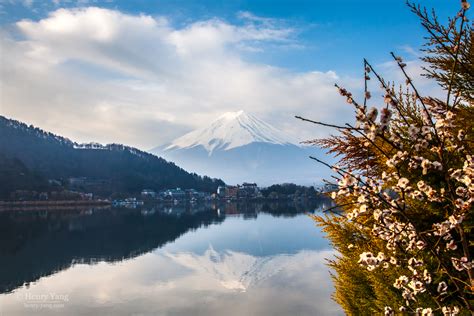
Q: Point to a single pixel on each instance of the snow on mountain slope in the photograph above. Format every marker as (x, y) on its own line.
(239, 271)
(231, 130)
(238, 147)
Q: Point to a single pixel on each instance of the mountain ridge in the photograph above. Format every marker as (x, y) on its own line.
(240, 147)
(118, 168)
(228, 131)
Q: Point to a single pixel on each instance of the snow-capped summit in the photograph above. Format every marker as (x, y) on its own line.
(231, 130)
(238, 147)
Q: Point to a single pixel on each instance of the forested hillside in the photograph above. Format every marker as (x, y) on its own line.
(113, 168)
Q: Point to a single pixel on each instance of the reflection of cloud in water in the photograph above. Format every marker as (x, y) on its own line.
(182, 283)
(236, 270)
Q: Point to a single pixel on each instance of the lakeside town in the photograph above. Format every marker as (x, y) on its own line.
(72, 193)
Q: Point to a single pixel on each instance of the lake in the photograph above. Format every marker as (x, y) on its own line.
(228, 259)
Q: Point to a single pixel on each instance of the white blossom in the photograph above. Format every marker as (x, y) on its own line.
(450, 311)
(442, 287)
(388, 311)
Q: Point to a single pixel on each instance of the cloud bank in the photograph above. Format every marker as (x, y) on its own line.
(95, 74)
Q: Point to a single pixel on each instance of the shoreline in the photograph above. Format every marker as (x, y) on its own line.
(42, 205)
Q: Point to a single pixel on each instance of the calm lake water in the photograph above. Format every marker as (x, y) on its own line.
(248, 259)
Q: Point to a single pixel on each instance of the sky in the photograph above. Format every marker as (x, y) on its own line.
(144, 72)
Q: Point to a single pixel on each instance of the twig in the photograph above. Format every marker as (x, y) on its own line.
(418, 96)
(325, 124)
(453, 70)
(380, 79)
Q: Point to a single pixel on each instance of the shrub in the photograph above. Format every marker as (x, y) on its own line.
(406, 186)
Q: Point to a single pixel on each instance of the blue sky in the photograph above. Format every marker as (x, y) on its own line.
(293, 46)
(336, 35)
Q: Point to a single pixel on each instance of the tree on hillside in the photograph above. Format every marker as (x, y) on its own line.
(406, 185)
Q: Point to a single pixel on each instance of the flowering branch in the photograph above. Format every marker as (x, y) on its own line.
(407, 192)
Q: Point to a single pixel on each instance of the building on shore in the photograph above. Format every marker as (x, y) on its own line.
(232, 192)
(173, 194)
(221, 191)
(244, 191)
(147, 193)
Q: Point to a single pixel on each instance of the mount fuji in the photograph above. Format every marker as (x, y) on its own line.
(239, 147)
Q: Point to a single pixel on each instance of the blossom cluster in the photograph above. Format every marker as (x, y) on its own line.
(421, 152)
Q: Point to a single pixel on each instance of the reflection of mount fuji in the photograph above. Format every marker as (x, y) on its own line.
(56, 240)
(239, 147)
(233, 270)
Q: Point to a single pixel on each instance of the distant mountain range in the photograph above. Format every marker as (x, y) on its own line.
(29, 157)
(239, 147)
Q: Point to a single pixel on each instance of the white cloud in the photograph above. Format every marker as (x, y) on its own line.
(414, 69)
(98, 74)
(192, 284)
(28, 3)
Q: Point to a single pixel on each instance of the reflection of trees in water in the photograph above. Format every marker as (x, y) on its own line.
(40, 244)
(36, 244)
(276, 208)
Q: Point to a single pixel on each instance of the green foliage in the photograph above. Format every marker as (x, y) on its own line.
(406, 188)
(15, 176)
(289, 188)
